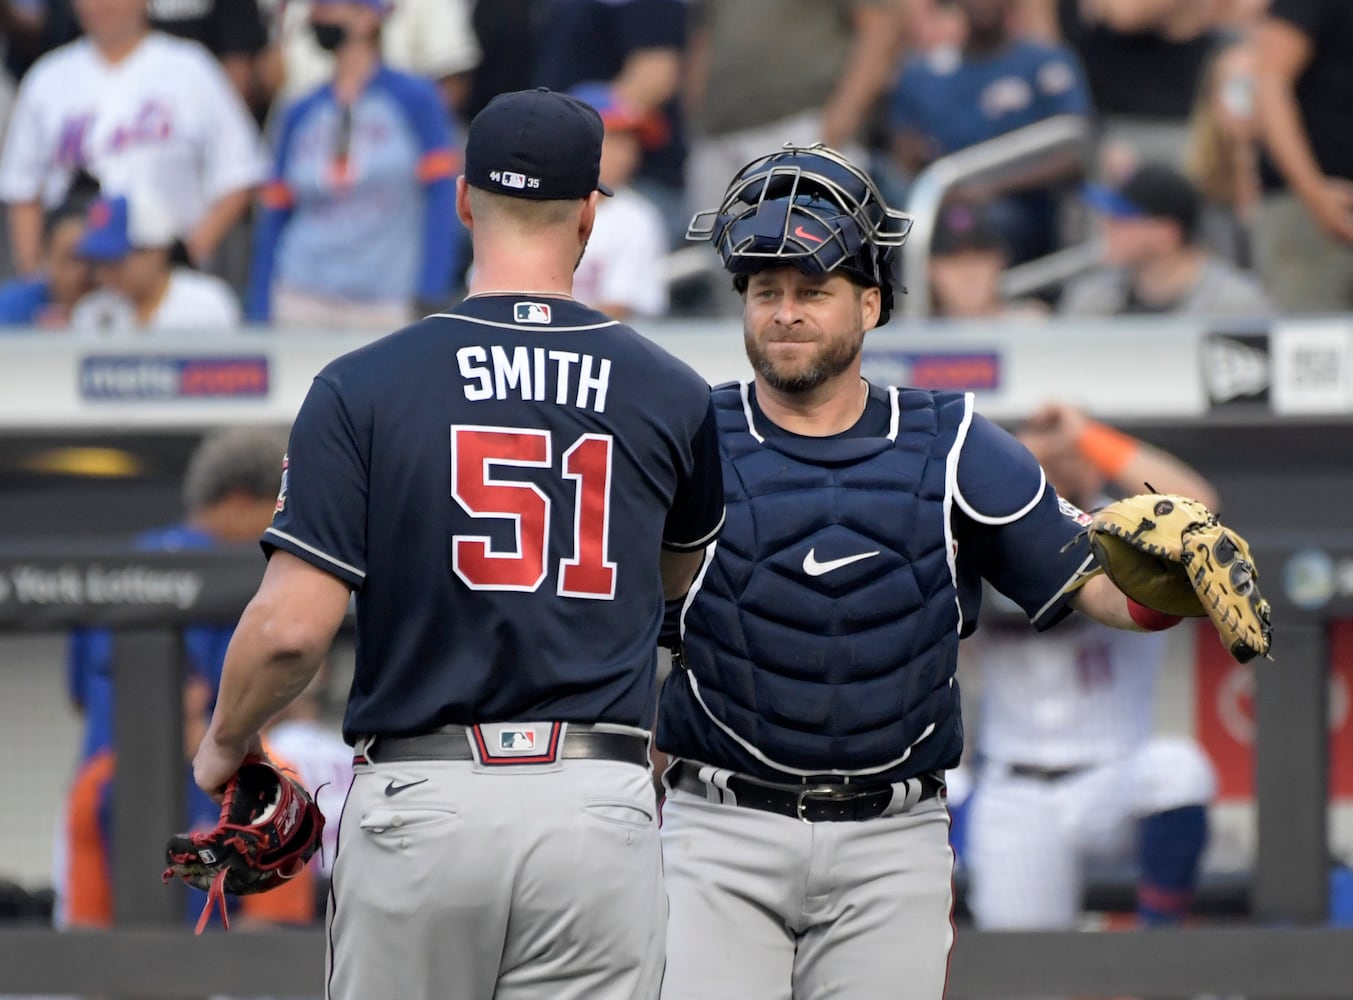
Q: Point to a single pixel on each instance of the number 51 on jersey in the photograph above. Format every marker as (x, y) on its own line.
(585, 572)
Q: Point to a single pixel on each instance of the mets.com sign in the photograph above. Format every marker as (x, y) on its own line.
(166, 377)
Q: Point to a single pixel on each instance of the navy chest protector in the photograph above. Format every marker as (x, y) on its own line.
(825, 627)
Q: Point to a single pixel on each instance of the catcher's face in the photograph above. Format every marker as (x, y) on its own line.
(802, 330)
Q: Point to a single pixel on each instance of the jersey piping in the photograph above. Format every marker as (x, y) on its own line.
(700, 543)
(950, 491)
(524, 326)
(317, 552)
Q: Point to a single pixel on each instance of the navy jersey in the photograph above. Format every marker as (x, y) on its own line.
(496, 484)
(822, 635)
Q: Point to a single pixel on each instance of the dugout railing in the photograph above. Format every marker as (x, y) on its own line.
(1287, 952)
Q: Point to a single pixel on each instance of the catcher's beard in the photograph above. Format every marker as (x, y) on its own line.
(834, 356)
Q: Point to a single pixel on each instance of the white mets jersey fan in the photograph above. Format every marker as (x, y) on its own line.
(165, 116)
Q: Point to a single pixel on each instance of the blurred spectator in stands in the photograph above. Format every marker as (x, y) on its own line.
(1143, 60)
(636, 46)
(134, 107)
(47, 297)
(323, 762)
(358, 224)
(509, 34)
(141, 273)
(1153, 260)
(428, 38)
(1069, 768)
(997, 83)
(233, 31)
(968, 255)
(230, 490)
(1303, 237)
(1222, 155)
(87, 887)
(766, 72)
(622, 270)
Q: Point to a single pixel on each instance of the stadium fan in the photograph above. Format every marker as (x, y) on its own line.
(358, 223)
(141, 274)
(1154, 261)
(46, 298)
(997, 83)
(133, 107)
(433, 39)
(621, 273)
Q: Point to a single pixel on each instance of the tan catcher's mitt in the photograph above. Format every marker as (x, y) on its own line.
(1172, 555)
(269, 828)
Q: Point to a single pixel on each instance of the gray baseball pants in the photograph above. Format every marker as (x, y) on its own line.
(531, 882)
(766, 907)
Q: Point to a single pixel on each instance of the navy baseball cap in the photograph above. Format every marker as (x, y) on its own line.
(963, 227)
(536, 144)
(1153, 191)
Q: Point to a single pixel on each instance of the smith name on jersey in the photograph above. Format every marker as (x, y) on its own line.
(532, 462)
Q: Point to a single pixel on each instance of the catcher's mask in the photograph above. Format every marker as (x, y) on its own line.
(810, 207)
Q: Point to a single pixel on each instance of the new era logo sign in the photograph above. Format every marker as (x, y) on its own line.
(531, 312)
(517, 740)
(207, 855)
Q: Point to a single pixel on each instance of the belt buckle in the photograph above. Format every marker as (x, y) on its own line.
(819, 792)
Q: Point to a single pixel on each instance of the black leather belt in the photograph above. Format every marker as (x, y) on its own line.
(453, 743)
(812, 803)
(1041, 773)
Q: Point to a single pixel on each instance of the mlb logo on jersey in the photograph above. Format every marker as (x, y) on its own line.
(517, 740)
(531, 312)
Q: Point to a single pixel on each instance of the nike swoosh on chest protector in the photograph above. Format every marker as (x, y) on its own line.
(814, 568)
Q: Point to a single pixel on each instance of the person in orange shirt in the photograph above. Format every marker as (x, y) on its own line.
(89, 881)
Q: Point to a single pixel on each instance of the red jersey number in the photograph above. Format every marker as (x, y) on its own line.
(475, 454)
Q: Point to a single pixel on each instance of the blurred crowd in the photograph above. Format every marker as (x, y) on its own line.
(202, 163)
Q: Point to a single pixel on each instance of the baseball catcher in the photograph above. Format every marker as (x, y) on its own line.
(269, 828)
(1172, 555)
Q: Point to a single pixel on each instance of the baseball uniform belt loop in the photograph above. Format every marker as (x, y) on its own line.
(822, 803)
(510, 744)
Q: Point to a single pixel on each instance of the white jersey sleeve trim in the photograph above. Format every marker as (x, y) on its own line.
(950, 494)
(316, 552)
(981, 518)
(1082, 570)
(702, 542)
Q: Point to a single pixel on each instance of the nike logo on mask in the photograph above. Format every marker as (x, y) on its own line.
(814, 568)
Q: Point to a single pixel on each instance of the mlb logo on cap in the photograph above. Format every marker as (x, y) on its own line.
(531, 312)
(517, 740)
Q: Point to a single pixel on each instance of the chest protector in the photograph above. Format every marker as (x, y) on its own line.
(822, 635)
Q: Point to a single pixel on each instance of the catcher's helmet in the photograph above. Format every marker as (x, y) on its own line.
(810, 207)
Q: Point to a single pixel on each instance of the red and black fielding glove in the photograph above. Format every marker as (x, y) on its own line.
(269, 828)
